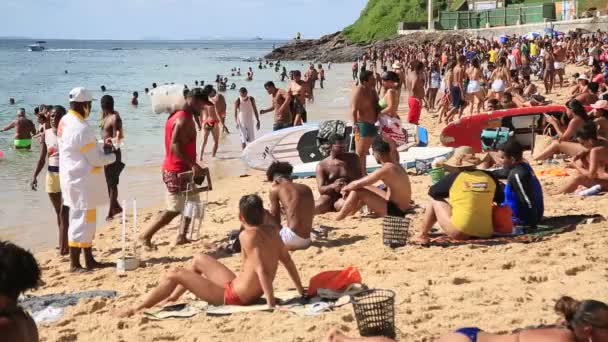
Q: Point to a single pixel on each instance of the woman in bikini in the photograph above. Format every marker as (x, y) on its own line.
(474, 89)
(564, 142)
(49, 149)
(434, 84)
(210, 121)
(549, 63)
(299, 91)
(501, 78)
(600, 117)
(584, 321)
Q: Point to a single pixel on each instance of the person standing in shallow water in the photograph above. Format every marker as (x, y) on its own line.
(111, 128)
(50, 148)
(244, 111)
(210, 121)
(24, 130)
(321, 73)
(280, 105)
(135, 99)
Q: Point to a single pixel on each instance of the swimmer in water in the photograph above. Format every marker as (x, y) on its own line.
(24, 130)
(134, 100)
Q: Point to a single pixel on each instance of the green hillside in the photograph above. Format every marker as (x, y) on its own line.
(380, 18)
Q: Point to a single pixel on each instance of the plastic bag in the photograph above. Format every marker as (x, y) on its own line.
(167, 98)
(334, 280)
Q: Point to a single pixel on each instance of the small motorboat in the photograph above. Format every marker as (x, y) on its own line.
(38, 46)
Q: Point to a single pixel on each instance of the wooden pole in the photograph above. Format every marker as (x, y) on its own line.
(431, 24)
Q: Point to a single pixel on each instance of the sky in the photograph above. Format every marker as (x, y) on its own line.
(175, 19)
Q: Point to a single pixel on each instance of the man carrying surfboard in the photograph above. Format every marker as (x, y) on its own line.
(364, 114)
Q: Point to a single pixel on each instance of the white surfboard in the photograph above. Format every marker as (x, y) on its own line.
(281, 145)
(296, 145)
(407, 159)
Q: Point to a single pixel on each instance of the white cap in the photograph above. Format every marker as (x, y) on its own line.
(80, 94)
(583, 77)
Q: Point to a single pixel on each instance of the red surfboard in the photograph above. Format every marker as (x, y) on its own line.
(524, 122)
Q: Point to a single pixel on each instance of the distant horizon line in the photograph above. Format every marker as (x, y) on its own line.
(151, 39)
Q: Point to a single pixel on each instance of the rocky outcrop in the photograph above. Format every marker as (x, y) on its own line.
(331, 48)
(336, 48)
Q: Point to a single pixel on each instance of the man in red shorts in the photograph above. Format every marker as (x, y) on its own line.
(415, 84)
(180, 157)
(262, 249)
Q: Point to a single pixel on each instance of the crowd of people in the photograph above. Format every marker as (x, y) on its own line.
(474, 73)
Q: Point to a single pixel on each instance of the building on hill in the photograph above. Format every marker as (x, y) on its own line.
(494, 13)
(480, 5)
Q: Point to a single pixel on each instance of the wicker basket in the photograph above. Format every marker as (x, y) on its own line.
(375, 313)
(395, 231)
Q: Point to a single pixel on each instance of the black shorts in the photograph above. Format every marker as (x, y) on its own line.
(393, 210)
(113, 171)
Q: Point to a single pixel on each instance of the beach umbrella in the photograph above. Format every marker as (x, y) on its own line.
(532, 35)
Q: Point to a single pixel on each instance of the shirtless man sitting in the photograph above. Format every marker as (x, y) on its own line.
(334, 173)
(24, 130)
(298, 204)
(364, 114)
(394, 202)
(211, 281)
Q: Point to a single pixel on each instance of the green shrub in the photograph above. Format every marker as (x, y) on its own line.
(379, 18)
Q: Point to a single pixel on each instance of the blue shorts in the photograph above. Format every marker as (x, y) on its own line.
(456, 97)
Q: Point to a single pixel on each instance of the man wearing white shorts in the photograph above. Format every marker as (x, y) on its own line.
(560, 60)
(298, 204)
(244, 110)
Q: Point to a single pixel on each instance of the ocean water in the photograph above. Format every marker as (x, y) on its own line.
(33, 78)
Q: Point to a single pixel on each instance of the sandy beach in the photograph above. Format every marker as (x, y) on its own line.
(498, 288)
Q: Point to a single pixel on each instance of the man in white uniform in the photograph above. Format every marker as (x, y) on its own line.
(244, 110)
(81, 162)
